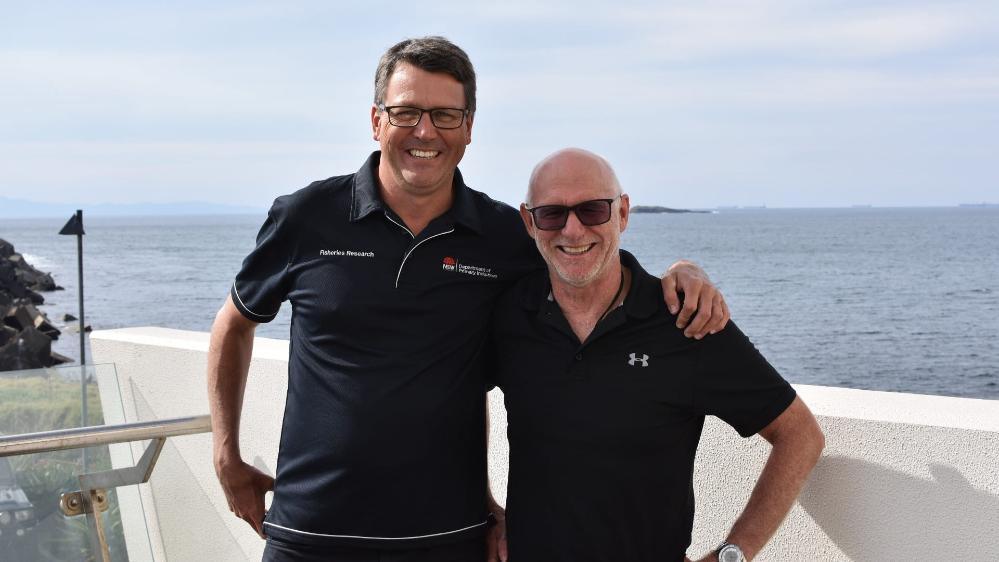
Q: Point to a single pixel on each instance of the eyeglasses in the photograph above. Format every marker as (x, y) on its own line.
(441, 117)
(590, 213)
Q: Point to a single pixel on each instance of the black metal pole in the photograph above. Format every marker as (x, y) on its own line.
(83, 345)
(79, 261)
(75, 226)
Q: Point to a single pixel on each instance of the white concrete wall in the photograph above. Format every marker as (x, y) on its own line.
(161, 374)
(903, 477)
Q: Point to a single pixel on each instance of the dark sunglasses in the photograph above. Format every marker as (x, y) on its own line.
(590, 213)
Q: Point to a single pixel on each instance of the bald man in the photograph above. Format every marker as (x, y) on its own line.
(606, 398)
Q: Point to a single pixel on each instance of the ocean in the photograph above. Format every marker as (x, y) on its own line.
(896, 299)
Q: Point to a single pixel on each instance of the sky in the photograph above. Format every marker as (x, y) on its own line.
(783, 103)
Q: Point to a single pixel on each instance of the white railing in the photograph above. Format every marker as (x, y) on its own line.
(92, 498)
(903, 476)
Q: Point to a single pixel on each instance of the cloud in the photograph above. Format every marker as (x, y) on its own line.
(782, 29)
(189, 82)
(718, 29)
(621, 92)
(196, 100)
(97, 172)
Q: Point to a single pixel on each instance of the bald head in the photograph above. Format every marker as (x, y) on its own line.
(583, 251)
(568, 167)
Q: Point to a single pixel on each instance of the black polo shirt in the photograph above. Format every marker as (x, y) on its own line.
(383, 435)
(603, 434)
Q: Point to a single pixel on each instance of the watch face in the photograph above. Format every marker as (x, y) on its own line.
(730, 553)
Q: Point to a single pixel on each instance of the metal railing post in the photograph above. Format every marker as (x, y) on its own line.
(92, 498)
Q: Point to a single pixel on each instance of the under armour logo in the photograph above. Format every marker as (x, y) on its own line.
(633, 358)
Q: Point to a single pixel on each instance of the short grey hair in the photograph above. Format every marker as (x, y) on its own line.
(432, 54)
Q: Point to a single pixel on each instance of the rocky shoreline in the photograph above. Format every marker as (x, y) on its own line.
(26, 334)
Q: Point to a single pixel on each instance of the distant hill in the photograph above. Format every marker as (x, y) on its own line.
(20, 208)
(657, 209)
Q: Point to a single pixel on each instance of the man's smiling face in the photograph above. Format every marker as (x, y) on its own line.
(420, 160)
(578, 254)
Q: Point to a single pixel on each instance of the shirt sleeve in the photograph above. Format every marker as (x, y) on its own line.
(262, 282)
(734, 382)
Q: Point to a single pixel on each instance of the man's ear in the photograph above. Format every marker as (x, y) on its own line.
(525, 216)
(468, 128)
(376, 121)
(625, 210)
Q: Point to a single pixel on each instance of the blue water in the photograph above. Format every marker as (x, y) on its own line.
(887, 299)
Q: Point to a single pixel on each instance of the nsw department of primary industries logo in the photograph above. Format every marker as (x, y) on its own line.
(451, 264)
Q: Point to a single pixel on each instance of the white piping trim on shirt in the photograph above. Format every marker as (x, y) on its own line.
(406, 257)
(246, 308)
(402, 226)
(377, 538)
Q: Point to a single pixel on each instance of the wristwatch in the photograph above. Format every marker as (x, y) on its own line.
(728, 552)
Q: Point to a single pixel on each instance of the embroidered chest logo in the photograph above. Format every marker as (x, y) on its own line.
(347, 253)
(452, 264)
(634, 360)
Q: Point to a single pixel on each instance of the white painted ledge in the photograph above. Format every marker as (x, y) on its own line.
(898, 407)
(903, 476)
(263, 348)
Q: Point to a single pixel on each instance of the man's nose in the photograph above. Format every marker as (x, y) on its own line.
(572, 225)
(425, 129)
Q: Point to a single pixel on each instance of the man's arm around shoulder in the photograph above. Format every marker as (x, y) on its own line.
(797, 444)
(703, 310)
(228, 365)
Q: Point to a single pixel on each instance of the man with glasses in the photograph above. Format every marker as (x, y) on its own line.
(392, 273)
(606, 398)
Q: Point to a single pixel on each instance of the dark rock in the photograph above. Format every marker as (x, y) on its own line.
(58, 359)
(38, 281)
(48, 329)
(68, 318)
(8, 279)
(19, 317)
(88, 328)
(25, 332)
(6, 248)
(6, 334)
(25, 314)
(24, 272)
(43, 325)
(30, 277)
(31, 349)
(12, 286)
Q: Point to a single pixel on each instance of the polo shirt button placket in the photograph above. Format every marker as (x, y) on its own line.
(578, 368)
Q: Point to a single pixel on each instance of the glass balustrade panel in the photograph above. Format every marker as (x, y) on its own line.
(32, 524)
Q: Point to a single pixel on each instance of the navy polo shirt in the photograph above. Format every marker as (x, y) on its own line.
(603, 433)
(383, 441)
